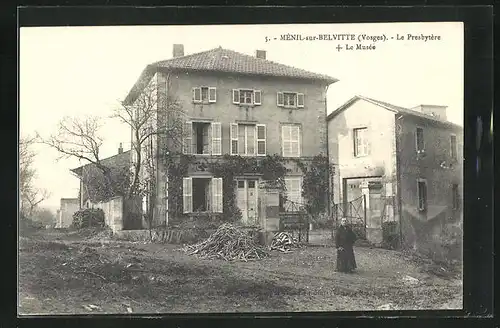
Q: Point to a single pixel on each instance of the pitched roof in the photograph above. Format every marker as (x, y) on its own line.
(391, 107)
(228, 61)
(115, 161)
(225, 60)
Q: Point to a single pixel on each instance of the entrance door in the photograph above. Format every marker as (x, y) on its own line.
(247, 200)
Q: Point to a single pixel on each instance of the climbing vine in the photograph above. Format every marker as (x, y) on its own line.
(271, 169)
(315, 183)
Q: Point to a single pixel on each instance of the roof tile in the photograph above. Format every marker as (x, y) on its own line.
(224, 60)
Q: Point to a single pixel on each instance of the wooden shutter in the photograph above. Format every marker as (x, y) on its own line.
(366, 141)
(300, 100)
(234, 139)
(188, 138)
(257, 99)
(216, 138)
(196, 95)
(279, 99)
(212, 94)
(261, 139)
(207, 139)
(236, 96)
(187, 195)
(285, 140)
(294, 140)
(217, 195)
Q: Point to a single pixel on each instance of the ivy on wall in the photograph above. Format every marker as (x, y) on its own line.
(271, 169)
(315, 183)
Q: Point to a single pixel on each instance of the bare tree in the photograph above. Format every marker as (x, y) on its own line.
(30, 196)
(153, 117)
(80, 138)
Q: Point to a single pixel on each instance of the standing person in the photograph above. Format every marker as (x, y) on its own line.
(344, 241)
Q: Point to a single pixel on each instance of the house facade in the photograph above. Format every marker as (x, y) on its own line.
(236, 105)
(405, 163)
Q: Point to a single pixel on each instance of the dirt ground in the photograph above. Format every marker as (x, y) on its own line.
(65, 273)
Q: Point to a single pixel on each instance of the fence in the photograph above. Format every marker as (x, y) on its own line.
(355, 213)
(295, 218)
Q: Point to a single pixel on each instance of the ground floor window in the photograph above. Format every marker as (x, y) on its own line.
(202, 195)
(422, 194)
(291, 200)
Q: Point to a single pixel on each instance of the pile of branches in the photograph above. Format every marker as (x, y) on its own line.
(228, 243)
(284, 242)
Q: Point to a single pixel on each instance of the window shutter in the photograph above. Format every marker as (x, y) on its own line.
(300, 100)
(261, 139)
(285, 140)
(299, 191)
(279, 99)
(187, 195)
(257, 97)
(196, 94)
(234, 139)
(216, 138)
(207, 139)
(236, 96)
(217, 195)
(295, 140)
(425, 196)
(188, 138)
(212, 94)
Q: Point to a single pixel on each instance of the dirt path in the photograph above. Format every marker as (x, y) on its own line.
(67, 275)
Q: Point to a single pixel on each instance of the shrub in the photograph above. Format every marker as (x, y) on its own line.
(390, 236)
(88, 217)
(359, 230)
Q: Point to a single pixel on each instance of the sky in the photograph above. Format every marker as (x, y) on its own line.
(77, 71)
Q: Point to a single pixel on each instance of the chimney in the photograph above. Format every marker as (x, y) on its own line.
(120, 149)
(435, 111)
(178, 50)
(260, 54)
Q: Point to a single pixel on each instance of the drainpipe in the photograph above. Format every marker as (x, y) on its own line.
(330, 191)
(398, 179)
(166, 170)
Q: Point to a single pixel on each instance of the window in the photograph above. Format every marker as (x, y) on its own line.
(248, 139)
(360, 142)
(203, 138)
(455, 196)
(290, 139)
(419, 140)
(293, 194)
(422, 195)
(202, 195)
(453, 145)
(247, 97)
(204, 95)
(290, 99)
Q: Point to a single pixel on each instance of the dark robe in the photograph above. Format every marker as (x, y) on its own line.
(345, 238)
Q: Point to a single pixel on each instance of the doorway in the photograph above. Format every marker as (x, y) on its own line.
(247, 200)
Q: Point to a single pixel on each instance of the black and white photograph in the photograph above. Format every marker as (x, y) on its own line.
(240, 168)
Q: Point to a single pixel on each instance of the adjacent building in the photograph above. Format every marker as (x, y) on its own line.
(405, 162)
(65, 212)
(236, 105)
(119, 213)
